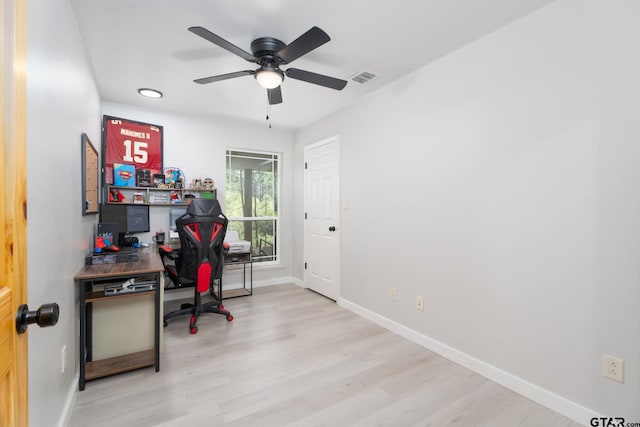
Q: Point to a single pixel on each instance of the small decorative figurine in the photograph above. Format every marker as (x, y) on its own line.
(116, 196)
(175, 197)
(208, 183)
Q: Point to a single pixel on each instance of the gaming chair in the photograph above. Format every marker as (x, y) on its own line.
(200, 260)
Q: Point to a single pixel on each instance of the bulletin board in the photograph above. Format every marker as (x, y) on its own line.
(130, 142)
(89, 177)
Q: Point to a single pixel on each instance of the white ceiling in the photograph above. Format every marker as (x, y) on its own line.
(145, 43)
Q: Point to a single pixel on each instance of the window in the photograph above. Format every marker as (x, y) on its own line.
(251, 197)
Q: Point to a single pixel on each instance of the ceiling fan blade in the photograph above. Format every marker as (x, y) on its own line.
(228, 76)
(316, 79)
(304, 44)
(274, 95)
(216, 39)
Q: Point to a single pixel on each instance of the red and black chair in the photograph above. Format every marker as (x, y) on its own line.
(199, 262)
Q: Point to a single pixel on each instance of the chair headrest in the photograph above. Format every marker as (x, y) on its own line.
(204, 207)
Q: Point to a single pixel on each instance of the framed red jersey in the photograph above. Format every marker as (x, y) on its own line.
(130, 143)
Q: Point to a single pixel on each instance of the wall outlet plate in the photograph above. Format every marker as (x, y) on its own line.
(392, 293)
(63, 359)
(420, 303)
(613, 368)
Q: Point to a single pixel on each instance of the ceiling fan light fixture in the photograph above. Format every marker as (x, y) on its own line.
(150, 93)
(269, 78)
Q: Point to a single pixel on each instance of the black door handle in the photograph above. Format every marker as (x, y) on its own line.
(46, 315)
(332, 228)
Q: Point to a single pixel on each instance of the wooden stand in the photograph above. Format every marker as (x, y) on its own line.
(243, 258)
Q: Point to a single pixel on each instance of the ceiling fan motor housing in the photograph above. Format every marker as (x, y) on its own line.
(267, 48)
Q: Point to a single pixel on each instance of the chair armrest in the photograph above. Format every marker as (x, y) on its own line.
(168, 252)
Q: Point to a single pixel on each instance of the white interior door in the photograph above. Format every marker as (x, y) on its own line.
(321, 226)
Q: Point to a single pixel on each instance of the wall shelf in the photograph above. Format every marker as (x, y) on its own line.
(154, 196)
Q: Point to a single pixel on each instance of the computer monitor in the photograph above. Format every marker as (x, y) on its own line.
(129, 218)
(175, 213)
(137, 218)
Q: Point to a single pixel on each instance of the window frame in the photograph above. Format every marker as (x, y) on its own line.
(275, 156)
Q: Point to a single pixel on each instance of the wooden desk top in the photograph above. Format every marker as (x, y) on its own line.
(148, 262)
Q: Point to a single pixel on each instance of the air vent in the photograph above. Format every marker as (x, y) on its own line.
(364, 77)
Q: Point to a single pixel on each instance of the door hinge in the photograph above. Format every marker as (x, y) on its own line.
(305, 215)
(305, 165)
(305, 265)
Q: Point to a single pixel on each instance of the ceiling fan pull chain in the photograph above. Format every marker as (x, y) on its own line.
(268, 114)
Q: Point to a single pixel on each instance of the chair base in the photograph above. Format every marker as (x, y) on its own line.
(214, 307)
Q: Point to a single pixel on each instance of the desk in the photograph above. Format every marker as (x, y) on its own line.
(90, 276)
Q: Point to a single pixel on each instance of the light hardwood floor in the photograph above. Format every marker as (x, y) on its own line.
(294, 358)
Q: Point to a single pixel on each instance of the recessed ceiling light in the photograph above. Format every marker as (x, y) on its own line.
(150, 93)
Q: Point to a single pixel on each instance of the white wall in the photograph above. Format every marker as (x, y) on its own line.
(500, 183)
(62, 103)
(197, 146)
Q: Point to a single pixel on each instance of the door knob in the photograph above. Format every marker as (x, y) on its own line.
(46, 315)
(332, 228)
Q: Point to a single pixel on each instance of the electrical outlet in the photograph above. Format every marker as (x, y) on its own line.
(420, 303)
(392, 293)
(63, 359)
(613, 368)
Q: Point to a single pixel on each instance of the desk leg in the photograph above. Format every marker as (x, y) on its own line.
(89, 331)
(244, 276)
(157, 322)
(83, 335)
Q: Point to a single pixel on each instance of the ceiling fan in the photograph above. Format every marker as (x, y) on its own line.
(270, 54)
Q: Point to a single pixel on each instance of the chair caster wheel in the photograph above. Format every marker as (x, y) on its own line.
(221, 307)
(164, 323)
(194, 330)
(229, 318)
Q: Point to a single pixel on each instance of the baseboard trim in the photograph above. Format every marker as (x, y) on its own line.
(557, 403)
(184, 293)
(270, 282)
(298, 282)
(72, 393)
